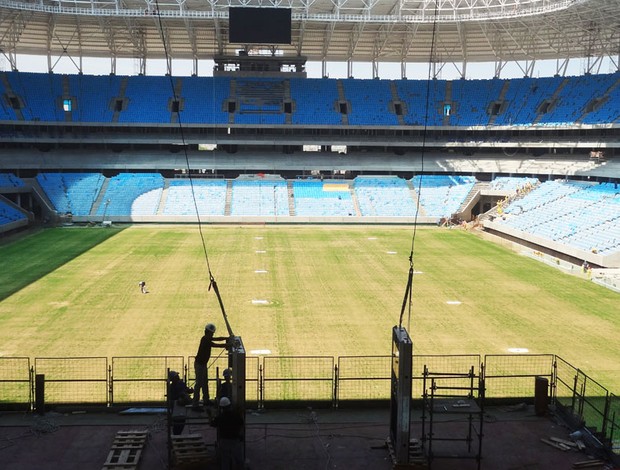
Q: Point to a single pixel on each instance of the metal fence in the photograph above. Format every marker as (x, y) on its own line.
(333, 381)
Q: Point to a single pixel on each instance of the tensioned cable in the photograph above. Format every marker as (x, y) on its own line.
(212, 282)
(407, 300)
(181, 130)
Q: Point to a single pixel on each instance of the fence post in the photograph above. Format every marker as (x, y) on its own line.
(554, 379)
(110, 387)
(261, 384)
(335, 396)
(606, 413)
(39, 393)
(31, 382)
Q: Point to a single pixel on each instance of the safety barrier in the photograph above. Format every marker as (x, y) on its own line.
(333, 381)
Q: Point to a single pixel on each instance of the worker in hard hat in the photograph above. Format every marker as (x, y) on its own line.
(201, 361)
(230, 436)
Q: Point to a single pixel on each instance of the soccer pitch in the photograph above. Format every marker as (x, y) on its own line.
(295, 290)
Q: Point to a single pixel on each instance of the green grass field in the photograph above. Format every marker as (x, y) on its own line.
(330, 291)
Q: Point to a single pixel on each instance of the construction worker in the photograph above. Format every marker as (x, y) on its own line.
(201, 361)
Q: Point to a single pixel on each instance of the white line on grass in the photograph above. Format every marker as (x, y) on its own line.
(260, 271)
(453, 302)
(260, 351)
(518, 350)
(260, 251)
(260, 302)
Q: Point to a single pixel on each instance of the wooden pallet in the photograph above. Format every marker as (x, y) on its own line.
(189, 448)
(126, 450)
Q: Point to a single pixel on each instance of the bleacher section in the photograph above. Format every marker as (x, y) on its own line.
(384, 196)
(73, 193)
(262, 197)
(9, 214)
(148, 100)
(557, 101)
(473, 98)
(370, 102)
(512, 183)
(572, 99)
(316, 198)
(523, 98)
(414, 94)
(442, 195)
(315, 101)
(580, 215)
(9, 180)
(132, 194)
(96, 97)
(210, 196)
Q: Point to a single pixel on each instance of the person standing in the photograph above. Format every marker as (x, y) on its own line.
(142, 285)
(230, 435)
(201, 361)
(225, 389)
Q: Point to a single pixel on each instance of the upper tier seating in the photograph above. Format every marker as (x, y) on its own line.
(96, 96)
(473, 98)
(316, 198)
(442, 195)
(523, 98)
(557, 101)
(370, 102)
(315, 101)
(572, 99)
(263, 197)
(384, 196)
(414, 94)
(9, 180)
(210, 196)
(204, 100)
(132, 194)
(72, 192)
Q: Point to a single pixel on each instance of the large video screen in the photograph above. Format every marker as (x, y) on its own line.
(259, 26)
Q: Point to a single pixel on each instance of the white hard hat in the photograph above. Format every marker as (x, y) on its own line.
(210, 327)
(224, 402)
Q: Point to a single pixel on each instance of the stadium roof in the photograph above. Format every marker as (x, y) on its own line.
(400, 31)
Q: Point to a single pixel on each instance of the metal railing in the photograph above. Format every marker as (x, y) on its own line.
(333, 381)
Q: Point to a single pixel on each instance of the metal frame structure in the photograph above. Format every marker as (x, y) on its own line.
(441, 32)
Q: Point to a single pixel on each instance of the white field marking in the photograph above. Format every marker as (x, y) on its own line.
(418, 272)
(453, 302)
(260, 351)
(260, 251)
(391, 252)
(372, 238)
(260, 302)
(260, 271)
(258, 238)
(518, 350)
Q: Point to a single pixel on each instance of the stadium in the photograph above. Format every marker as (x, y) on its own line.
(366, 245)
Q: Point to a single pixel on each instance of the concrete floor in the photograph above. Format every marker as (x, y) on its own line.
(302, 439)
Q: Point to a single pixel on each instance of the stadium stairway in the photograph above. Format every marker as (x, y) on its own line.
(356, 206)
(416, 201)
(342, 98)
(603, 99)
(472, 198)
(291, 198)
(552, 99)
(164, 197)
(228, 203)
(396, 99)
(97, 203)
